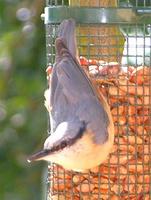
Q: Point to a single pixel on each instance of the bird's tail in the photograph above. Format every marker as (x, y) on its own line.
(66, 32)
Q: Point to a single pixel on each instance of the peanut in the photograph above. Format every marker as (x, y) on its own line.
(132, 140)
(77, 178)
(130, 110)
(115, 92)
(126, 173)
(85, 187)
(119, 110)
(117, 188)
(129, 183)
(140, 75)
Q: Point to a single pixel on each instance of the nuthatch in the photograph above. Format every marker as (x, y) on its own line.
(81, 123)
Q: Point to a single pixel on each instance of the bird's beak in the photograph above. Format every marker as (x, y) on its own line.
(38, 156)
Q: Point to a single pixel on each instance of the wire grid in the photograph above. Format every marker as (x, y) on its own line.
(127, 173)
(120, 3)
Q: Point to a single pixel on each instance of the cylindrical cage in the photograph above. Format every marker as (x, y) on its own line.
(117, 53)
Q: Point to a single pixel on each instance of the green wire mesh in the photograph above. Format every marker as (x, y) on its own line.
(127, 173)
(120, 3)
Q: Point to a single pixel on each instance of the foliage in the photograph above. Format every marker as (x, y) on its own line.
(23, 120)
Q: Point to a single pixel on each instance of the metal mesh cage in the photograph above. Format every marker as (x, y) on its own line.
(118, 56)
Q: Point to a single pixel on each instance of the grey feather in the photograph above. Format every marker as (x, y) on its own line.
(72, 95)
(53, 85)
(66, 31)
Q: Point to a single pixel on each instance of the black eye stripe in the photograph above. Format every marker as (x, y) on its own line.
(68, 142)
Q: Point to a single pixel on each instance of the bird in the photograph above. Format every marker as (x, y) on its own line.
(82, 129)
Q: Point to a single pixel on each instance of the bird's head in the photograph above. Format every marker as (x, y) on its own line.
(66, 134)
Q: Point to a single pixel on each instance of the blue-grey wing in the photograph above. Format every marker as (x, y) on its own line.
(66, 32)
(93, 113)
(73, 95)
(71, 76)
(81, 98)
(53, 85)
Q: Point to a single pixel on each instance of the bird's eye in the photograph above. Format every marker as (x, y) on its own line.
(63, 144)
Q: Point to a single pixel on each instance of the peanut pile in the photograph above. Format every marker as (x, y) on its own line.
(126, 174)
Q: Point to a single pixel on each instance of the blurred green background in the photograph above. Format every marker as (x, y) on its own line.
(23, 120)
